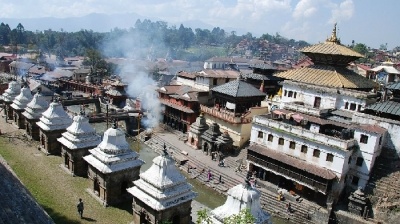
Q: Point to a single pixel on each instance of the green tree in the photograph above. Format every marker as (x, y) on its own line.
(203, 217)
(361, 48)
(243, 217)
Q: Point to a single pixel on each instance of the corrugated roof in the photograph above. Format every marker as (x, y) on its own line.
(325, 75)
(238, 88)
(394, 86)
(388, 107)
(293, 162)
(219, 73)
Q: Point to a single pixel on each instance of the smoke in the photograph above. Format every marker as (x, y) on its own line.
(135, 52)
(142, 86)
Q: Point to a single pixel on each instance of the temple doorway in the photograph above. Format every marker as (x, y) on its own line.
(176, 219)
(66, 160)
(143, 218)
(96, 187)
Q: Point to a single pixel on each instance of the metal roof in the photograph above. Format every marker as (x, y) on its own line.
(388, 107)
(238, 88)
(394, 86)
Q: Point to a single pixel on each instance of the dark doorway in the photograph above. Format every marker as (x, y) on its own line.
(317, 102)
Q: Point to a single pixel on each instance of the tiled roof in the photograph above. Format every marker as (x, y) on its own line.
(187, 75)
(325, 75)
(388, 107)
(259, 77)
(228, 60)
(331, 48)
(238, 88)
(394, 86)
(293, 162)
(370, 128)
(219, 73)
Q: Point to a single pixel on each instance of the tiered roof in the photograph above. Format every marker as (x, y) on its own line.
(54, 118)
(14, 89)
(212, 133)
(329, 69)
(242, 196)
(113, 154)
(22, 100)
(162, 186)
(36, 107)
(80, 134)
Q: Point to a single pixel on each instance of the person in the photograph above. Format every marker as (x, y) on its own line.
(209, 176)
(289, 207)
(80, 207)
(220, 179)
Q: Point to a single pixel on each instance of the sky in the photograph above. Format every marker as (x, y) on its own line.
(371, 22)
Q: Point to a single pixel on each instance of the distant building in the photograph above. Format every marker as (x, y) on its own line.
(20, 68)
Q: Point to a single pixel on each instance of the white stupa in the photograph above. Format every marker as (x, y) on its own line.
(14, 89)
(163, 188)
(80, 134)
(54, 118)
(36, 107)
(112, 165)
(22, 100)
(242, 196)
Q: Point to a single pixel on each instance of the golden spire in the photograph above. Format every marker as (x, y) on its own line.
(333, 37)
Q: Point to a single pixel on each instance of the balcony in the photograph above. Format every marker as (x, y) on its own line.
(280, 126)
(306, 109)
(226, 115)
(290, 173)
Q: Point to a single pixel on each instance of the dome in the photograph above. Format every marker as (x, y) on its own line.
(242, 196)
(114, 141)
(81, 126)
(22, 100)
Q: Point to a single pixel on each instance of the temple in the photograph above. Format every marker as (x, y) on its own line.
(162, 194)
(75, 144)
(51, 125)
(19, 104)
(32, 114)
(242, 196)
(113, 167)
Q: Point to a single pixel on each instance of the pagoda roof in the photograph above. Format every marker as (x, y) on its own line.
(113, 153)
(54, 118)
(330, 76)
(331, 48)
(238, 88)
(162, 186)
(80, 134)
(22, 100)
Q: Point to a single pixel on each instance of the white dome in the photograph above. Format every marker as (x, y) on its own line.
(54, 118)
(14, 89)
(36, 107)
(22, 100)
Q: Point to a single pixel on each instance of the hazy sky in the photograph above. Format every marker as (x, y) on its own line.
(372, 22)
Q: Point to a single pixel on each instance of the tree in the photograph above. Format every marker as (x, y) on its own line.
(361, 48)
(243, 217)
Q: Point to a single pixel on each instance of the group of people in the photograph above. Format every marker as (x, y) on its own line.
(218, 156)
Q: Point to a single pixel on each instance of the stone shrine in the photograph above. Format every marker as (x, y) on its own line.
(14, 89)
(242, 196)
(51, 125)
(162, 194)
(209, 138)
(19, 104)
(224, 143)
(358, 203)
(76, 142)
(113, 167)
(33, 112)
(196, 130)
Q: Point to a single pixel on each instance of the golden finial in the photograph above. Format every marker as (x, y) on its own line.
(333, 38)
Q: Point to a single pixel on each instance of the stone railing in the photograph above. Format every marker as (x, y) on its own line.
(225, 115)
(306, 109)
(304, 133)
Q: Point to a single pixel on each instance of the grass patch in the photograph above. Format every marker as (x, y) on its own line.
(56, 191)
